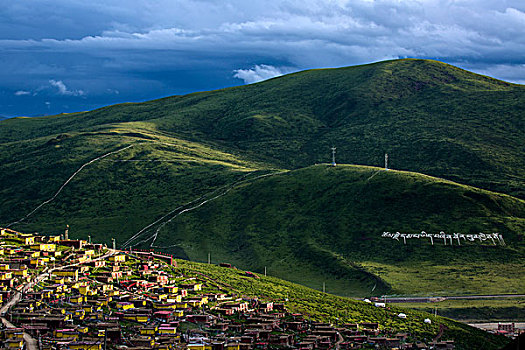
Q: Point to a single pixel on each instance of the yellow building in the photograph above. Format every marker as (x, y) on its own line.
(84, 290)
(148, 330)
(196, 347)
(82, 259)
(182, 305)
(13, 333)
(117, 258)
(14, 343)
(66, 333)
(34, 254)
(106, 287)
(104, 302)
(80, 314)
(28, 240)
(77, 299)
(4, 276)
(37, 262)
(11, 250)
(175, 299)
(125, 306)
(142, 318)
(138, 302)
(168, 306)
(167, 331)
(171, 289)
(67, 273)
(89, 252)
(85, 345)
(45, 247)
(20, 272)
(46, 294)
(87, 308)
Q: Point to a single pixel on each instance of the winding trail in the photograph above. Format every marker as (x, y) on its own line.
(195, 204)
(65, 184)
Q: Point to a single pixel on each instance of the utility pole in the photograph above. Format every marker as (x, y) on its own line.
(114, 243)
(386, 161)
(324, 287)
(333, 156)
(265, 270)
(89, 239)
(66, 234)
(209, 258)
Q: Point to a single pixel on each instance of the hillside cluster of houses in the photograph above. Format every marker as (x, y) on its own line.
(71, 294)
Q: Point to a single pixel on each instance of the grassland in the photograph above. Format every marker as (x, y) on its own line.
(468, 277)
(196, 163)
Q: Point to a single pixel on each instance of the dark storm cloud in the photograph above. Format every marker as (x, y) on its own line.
(146, 49)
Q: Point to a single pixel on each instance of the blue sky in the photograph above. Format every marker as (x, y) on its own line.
(71, 55)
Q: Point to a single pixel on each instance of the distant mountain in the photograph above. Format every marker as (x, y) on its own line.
(206, 160)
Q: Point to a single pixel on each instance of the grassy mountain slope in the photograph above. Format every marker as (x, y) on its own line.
(205, 149)
(324, 224)
(117, 194)
(338, 310)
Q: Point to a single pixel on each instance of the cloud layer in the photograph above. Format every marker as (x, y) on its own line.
(257, 73)
(146, 49)
(63, 90)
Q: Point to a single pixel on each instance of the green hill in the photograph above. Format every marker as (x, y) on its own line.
(114, 171)
(325, 224)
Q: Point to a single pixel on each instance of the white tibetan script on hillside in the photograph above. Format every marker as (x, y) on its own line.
(481, 237)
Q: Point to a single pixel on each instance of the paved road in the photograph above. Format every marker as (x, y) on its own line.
(440, 298)
(488, 296)
(31, 343)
